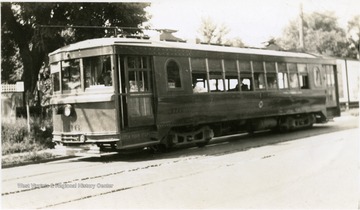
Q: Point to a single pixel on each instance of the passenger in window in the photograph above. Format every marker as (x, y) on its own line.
(107, 78)
(133, 86)
(244, 85)
(198, 88)
(235, 89)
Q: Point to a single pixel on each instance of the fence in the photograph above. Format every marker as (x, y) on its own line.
(12, 97)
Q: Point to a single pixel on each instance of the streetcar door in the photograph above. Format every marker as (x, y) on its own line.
(136, 92)
(136, 82)
(330, 82)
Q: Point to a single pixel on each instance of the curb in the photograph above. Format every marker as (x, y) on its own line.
(11, 165)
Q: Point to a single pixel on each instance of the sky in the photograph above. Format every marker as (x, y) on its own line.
(254, 21)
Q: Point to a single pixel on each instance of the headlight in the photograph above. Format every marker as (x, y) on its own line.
(67, 110)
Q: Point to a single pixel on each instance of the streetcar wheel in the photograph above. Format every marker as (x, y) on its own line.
(203, 144)
(158, 149)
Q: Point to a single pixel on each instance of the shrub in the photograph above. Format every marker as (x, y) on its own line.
(16, 138)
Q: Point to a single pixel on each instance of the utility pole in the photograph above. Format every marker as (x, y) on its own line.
(301, 29)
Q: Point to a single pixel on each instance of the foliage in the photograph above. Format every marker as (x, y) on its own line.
(235, 42)
(322, 35)
(211, 32)
(354, 34)
(11, 65)
(22, 27)
(16, 138)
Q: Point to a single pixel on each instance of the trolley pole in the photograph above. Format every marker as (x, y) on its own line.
(301, 29)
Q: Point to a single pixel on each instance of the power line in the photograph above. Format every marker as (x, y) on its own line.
(96, 27)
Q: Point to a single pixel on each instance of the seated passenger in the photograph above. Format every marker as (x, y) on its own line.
(235, 89)
(244, 87)
(199, 89)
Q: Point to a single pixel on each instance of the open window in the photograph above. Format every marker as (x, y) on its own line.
(246, 76)
(293, 76)
(259, 75)
(231, 76)
(303, 76)
(282, 76)
(271, 78)
(216, 79)
(200, 83)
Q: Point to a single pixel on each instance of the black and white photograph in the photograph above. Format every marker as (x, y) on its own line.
(180, 104)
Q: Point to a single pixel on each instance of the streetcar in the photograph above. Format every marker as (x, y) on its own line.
(113, 94)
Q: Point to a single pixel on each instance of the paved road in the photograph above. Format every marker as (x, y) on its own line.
(316, 168)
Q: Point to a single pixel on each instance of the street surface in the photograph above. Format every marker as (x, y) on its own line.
(307, 169)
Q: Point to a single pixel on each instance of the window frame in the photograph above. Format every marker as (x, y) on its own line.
(167, 75)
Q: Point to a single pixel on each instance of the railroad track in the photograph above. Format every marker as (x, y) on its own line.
(62, 182)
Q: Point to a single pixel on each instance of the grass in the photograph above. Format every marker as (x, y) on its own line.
(30, 157)
(16, 139)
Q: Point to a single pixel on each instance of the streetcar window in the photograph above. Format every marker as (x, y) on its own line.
(198, 64)
(139, 81)
(173, 75)
(231, 82)
(246, 76)
(271, 80)
(231, 75)
(56, 79)
(214, 65)
(259, 76)
(216, 82)
(293, 76)
(259, 80)
(70, 71)
(230, 66)
(199, 82)
(271, 77)
(330, 77)
(317, 76)
(216, 75)
(97, 71)
(258, 66)
(246, 83)
(303, 76)
(137, 62)
(244, 66)
(282, 76)
(294, 83)
(55, 72)
(138, 74)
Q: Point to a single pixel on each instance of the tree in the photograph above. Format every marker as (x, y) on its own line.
(211, 32)
(322, 35)
(23, 27)
(235, 42)
(354, 34)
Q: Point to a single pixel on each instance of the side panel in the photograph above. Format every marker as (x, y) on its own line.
(207, 108)
(87, 118)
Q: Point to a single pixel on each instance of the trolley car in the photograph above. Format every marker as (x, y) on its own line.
(111, 94)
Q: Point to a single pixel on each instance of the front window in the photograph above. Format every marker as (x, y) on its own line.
(70, 71)
(97, 71)
(55, 72)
